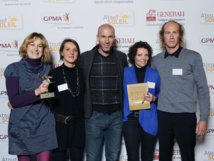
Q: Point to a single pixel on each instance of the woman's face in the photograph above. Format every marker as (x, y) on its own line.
(70, 54)
(35, 49)
(141, 57)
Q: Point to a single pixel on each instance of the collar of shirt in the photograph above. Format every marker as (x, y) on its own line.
(176, 53)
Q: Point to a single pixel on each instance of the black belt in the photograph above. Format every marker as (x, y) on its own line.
(134, 114)
(107, 112)
(68, 119)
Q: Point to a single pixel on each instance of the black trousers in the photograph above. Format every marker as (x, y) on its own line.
(181, 126)
(75, 154)
(134, 135)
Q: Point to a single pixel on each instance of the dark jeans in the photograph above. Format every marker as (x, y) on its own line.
(180, 126)
(134, 136)
(75, 154)
(107, 126)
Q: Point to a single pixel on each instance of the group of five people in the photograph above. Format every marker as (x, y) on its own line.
(91, 100)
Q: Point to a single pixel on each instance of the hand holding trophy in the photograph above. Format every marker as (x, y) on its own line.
(43, 88)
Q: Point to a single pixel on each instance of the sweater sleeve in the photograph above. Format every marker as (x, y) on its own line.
(203, 90)
(12, 84)
(153, 64)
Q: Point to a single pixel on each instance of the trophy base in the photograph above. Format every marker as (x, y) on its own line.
(47, 95)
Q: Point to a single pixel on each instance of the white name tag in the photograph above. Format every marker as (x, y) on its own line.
(62, 87)
(151, 85)
(177, 71)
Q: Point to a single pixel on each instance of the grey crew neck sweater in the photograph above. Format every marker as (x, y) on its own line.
(180, 78)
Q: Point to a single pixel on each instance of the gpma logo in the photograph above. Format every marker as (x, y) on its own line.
(57, 18)
(11, 22)
(207, 40)
(3, 137)
(119, 19)
(9, 45)
(207, 17)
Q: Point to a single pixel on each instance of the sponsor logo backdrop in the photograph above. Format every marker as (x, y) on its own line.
(133, 20)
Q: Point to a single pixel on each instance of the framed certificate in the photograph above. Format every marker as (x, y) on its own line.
(136, 93)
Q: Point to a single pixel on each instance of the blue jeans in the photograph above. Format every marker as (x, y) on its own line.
(107, 126)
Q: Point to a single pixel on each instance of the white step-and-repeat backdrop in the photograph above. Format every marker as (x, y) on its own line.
(133, 20)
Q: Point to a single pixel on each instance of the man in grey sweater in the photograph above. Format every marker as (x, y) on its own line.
(182, 76)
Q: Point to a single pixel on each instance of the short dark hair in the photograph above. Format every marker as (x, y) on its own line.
(63, 45)
(181, 33)
(133, 51)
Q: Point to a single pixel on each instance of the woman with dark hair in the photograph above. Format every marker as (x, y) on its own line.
(31, 126)
(141, 126)
(67, 105)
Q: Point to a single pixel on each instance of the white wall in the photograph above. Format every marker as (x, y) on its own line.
(133, 20)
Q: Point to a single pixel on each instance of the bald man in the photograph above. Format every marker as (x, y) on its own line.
(103, 99)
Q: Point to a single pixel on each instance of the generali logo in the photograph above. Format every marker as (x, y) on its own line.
(162, 16)
(119, 19)
(151, 15)
(123, 43)
(156, 154)
(57, 18)
(11, 22)
(9, 45)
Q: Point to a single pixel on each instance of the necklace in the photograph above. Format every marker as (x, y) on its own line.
(77, 92)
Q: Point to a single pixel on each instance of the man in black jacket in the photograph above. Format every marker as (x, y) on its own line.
(103, 99)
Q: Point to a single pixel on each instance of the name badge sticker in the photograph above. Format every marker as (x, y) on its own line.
(177, 71)
(151, 85)
(62, 87)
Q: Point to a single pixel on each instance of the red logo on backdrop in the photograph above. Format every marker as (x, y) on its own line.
(207, 40)
(210, 131)
(64, 17)
(3, 93)
(151, 16)
(211, 87)
(156, 154)
(3, 137)
(16, 43)
(9, 44)
(125, 40)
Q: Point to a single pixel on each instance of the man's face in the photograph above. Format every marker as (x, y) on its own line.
(171, 35)
(106, 39)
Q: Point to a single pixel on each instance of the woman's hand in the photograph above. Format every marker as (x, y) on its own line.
(10, 106)
(149, 97)
(42, 88)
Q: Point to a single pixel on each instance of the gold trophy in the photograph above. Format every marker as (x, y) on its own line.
(48, 94)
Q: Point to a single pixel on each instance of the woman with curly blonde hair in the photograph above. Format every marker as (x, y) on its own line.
(31, 126)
